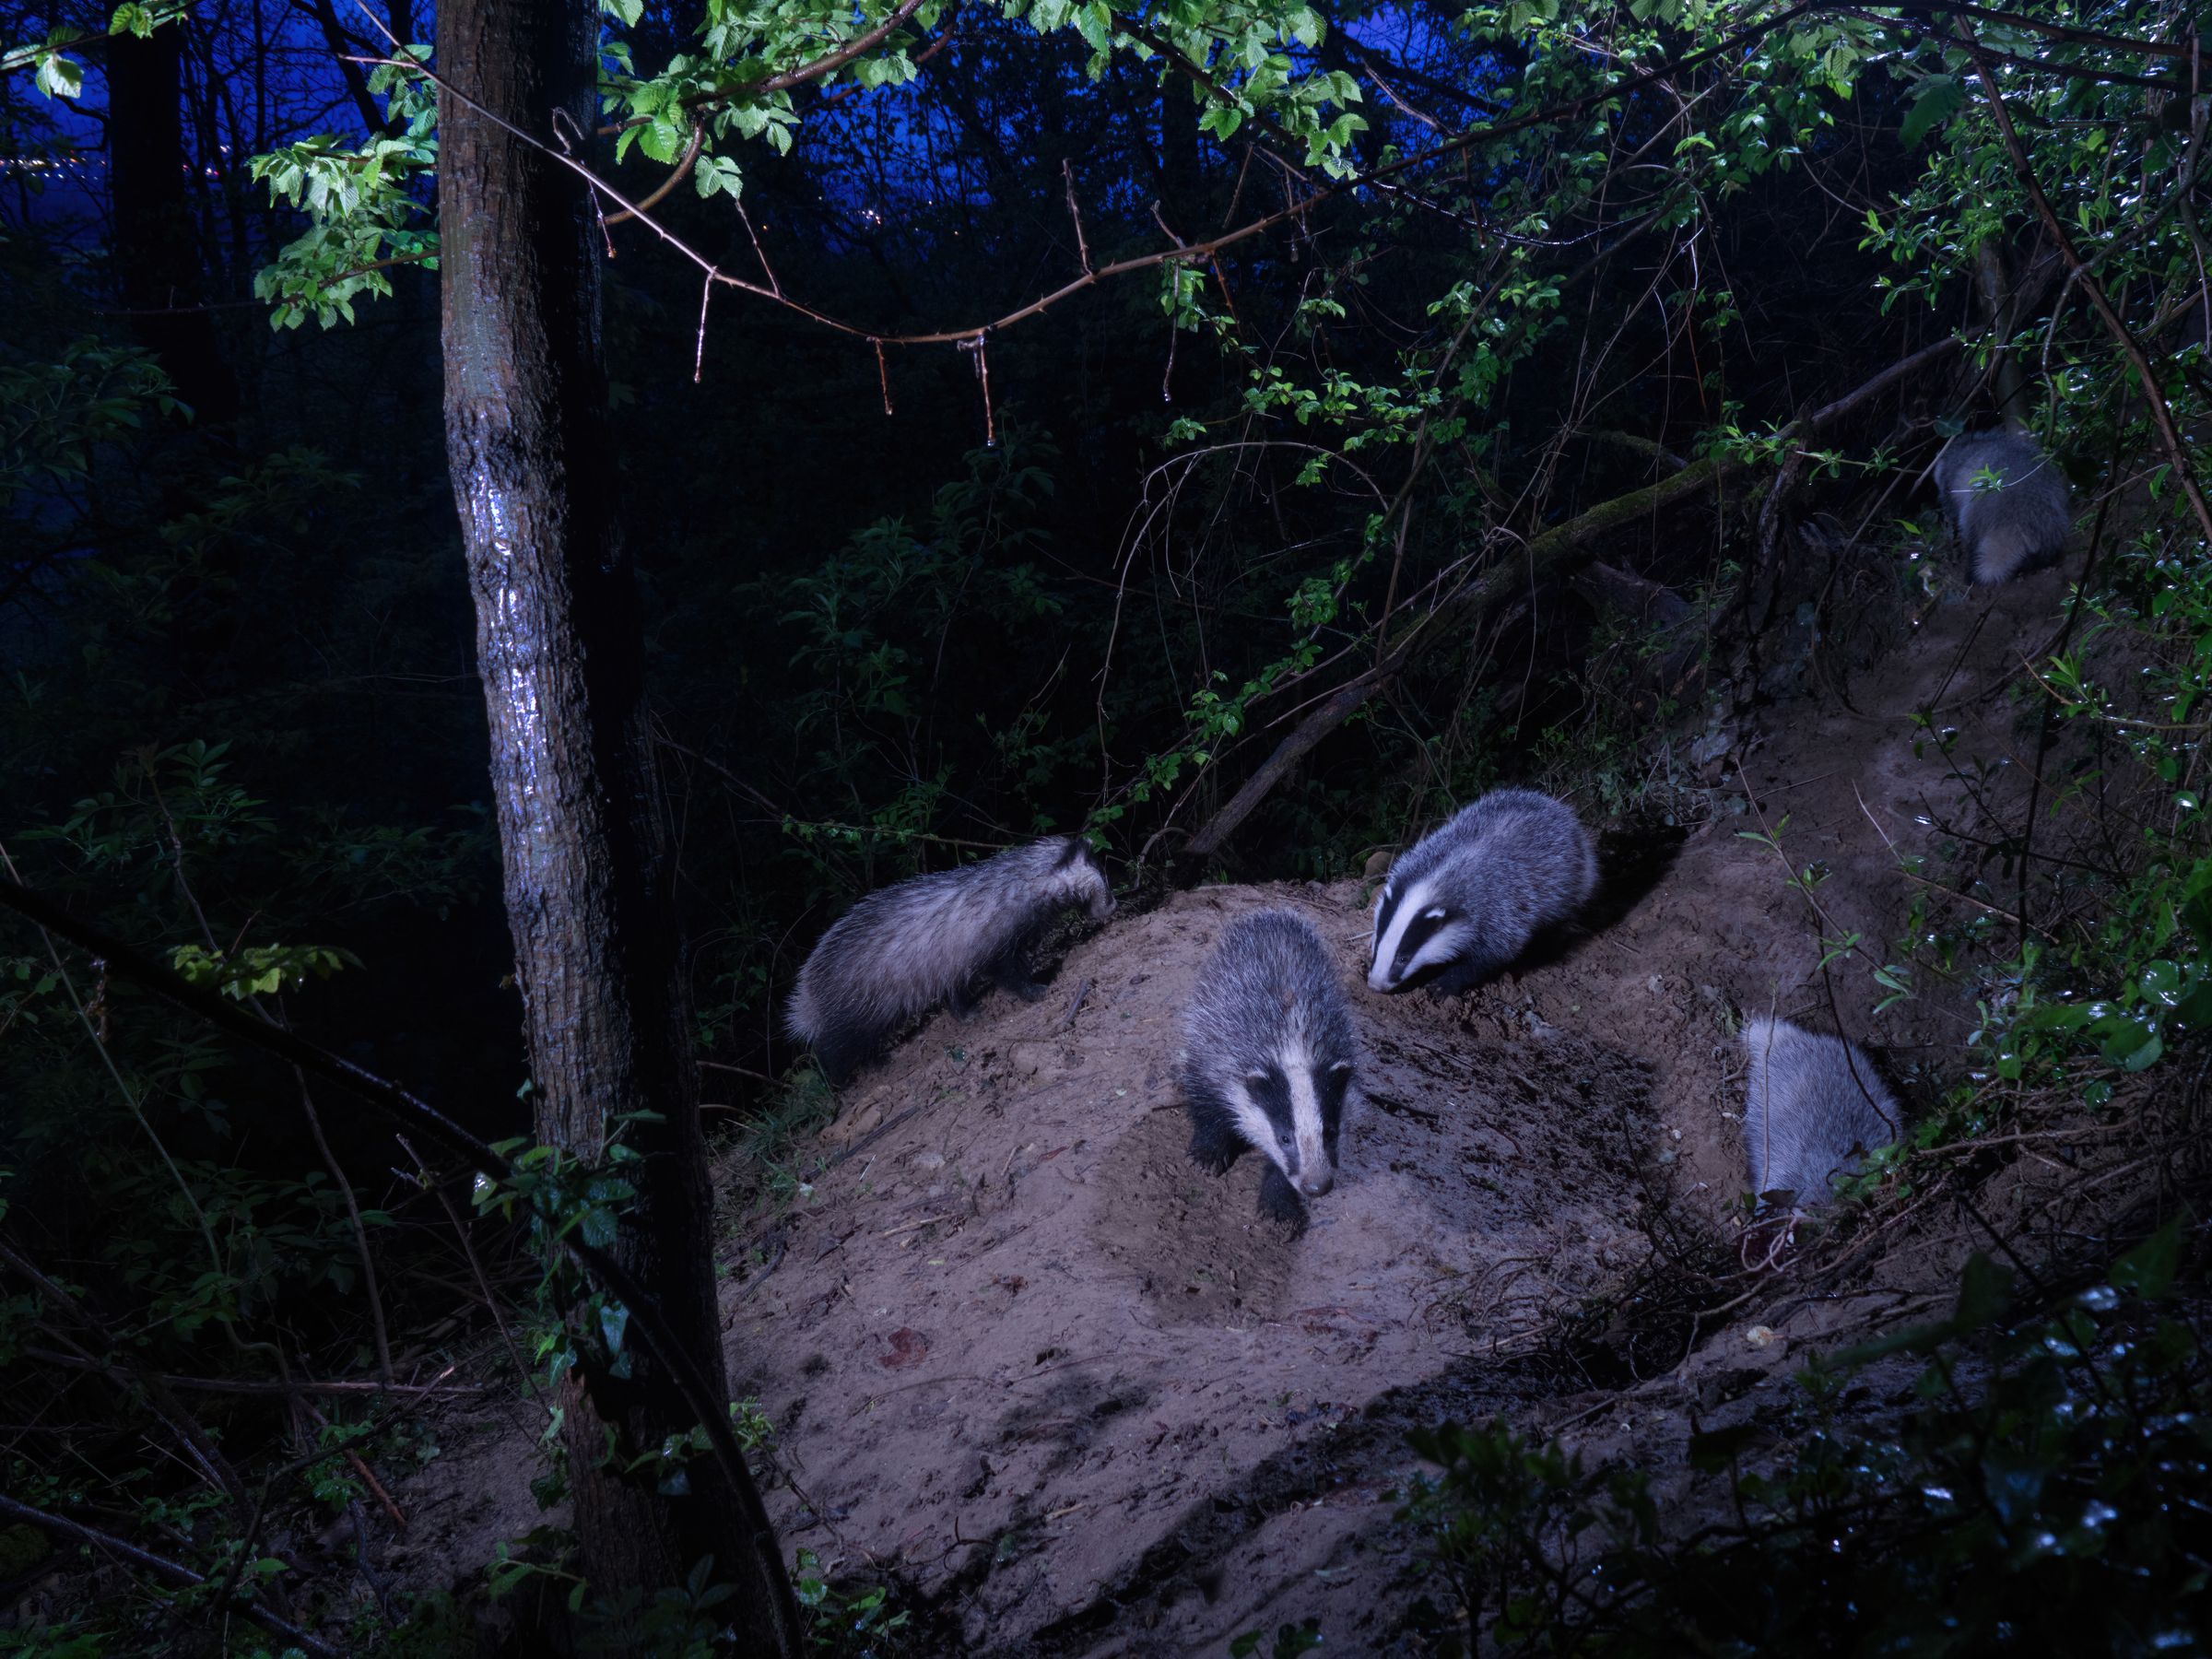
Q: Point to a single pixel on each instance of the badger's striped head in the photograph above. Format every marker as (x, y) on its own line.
(1417, 927)
(1293, 1110)
(1078, 878)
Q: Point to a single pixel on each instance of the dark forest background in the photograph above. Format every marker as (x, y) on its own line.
(905, 604)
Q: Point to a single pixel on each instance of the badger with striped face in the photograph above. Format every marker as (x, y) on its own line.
(1269, 1059)
(1463, 902)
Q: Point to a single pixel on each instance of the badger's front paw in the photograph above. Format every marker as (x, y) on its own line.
(1279, 1202)
(1214, 1150)
(1456, 978)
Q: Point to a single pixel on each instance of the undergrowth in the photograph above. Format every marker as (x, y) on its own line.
(2042, 1490)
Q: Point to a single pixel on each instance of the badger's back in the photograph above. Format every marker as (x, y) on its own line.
(901, 950)
(2016, 526)
(1812, 1105)
(1268, 988)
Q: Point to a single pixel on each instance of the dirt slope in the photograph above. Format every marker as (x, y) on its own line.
(1022, 1354)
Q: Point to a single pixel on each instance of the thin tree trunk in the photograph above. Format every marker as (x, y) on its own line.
(588, 870)
(156, 237)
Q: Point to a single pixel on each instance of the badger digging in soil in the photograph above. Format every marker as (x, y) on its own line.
(1469, 896)
(943, 937)
(2016, 524)
(1268, 1057)
(1812, 1106)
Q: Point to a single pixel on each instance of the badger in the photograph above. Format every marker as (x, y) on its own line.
(1813, 1105)
(1469, 895)
(1267, 1061)
(2019, 522)
(944, 937)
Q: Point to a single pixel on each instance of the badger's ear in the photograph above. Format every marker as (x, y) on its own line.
(1073, 850)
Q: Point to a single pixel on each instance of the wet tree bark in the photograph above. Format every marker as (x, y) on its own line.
(588, 870)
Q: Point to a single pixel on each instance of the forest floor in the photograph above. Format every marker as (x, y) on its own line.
(1079, 1398)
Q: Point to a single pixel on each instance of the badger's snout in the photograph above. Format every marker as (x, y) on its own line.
(1378, 979)
(1316, 1179)
(1101, 907)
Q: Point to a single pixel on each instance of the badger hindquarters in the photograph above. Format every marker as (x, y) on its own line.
(1812, 1106)
(940, 937)
(1268, 1057)
(1469, 896)
(2008, 501)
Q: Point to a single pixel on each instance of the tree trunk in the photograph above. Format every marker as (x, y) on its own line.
(158, 266)
(588, 870)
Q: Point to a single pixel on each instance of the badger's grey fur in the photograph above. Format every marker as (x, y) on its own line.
(1469, 896)
(940, 937)
(1812, 1106)
(2015, 524)
(1268, 1058)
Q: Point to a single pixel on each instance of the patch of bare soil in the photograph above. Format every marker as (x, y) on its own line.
(1082, 1399)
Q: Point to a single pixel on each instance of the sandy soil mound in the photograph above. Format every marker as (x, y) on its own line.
(1082, 1398)
(1021, 1323)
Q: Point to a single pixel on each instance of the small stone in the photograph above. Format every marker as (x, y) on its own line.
(1760, 1336)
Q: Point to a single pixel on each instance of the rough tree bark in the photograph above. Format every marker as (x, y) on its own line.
(588, 868)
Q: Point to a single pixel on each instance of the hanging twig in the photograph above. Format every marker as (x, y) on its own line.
(698, 349)
(1067, 173)
(982, 372)
(775, 289)
(560, 118)
(475, 1268)
(883, 376)
(360, 1233)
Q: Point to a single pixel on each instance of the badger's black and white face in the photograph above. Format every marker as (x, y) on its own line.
(1292, 1108)
(1417, 929)
(1081, 879)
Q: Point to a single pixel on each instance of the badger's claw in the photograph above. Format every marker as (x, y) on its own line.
(1279, 1202)
(1214, 1150)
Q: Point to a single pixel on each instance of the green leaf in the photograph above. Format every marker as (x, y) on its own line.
(1984, 1293)
(2148, 1268)
(1936, 104)
(58, 78)
(1719, 1448)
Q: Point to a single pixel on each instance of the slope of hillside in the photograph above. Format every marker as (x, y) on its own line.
(1081, 1398)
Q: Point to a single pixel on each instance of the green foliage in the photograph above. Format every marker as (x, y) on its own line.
(2032, 1497)
(1290, 1641)
(364, 203)
(845, 1622)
